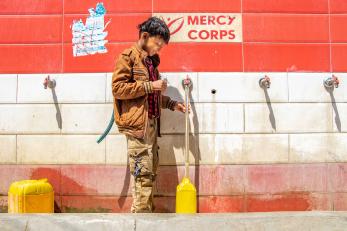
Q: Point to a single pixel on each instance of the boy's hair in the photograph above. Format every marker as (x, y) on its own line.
(155, 26)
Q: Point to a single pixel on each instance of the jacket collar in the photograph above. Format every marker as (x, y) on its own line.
(144, 54)
(140, 51)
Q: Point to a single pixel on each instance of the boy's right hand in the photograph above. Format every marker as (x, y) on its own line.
(159, 85)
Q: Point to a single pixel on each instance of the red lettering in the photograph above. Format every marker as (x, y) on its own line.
(211, 19)
(193, 20)
(219, 21)
(231, 20)
(222, 34)
(203, 20)
(211, 34)
(202, 36)
(190, 34)
(231, 34)
(214, 34)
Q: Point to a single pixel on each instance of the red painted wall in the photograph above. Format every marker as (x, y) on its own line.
(222, 188)
(282, 35)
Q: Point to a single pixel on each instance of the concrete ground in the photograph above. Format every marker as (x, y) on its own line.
(274, 221)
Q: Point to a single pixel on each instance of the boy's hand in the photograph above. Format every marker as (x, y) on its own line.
(181, 107)
(159, 85)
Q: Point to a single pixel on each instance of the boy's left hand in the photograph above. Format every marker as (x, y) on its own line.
(182, 107)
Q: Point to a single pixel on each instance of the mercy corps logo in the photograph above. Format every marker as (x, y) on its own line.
(203, 27)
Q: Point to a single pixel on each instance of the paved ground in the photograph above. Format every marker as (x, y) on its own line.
(274, 221)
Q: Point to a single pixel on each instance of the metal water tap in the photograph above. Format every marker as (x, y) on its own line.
(331, 82)
(187, 82)
(49, 83)
(265, 82)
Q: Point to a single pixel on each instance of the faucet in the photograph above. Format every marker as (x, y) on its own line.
(331, 82)
(49, 83)
(187, 82)
(265, 82)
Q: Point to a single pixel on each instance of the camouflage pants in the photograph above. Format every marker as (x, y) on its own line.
(143, 164)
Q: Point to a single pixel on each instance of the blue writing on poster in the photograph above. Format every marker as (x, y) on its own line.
(89, 38)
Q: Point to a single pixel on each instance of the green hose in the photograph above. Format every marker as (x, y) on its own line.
(110, 124)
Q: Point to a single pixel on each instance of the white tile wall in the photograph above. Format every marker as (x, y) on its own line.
(171, 149)
(60, 149)
(288, 117)
(340, 117)
(86, 118)
(226, 149)
(308, 87)
(174, 121)
(340, 93)
(236, 125)
(116, 149)
(220, 118)
(108, 93)
(70, 88)
(318, 147)
(8, 149)
(205, 118)
(29, 118)
(241, 87)
(8, 88)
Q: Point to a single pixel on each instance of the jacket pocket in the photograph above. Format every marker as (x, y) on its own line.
(134, 112)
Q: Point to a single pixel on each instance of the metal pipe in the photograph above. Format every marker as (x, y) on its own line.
(187, 83)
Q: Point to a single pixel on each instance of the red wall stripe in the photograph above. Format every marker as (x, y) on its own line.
(112, 6)
(310, 28)
(285, 28)
(179, 57)
(221, 188)
(340, 201)
(288, 202)
(194, 6)
(338, 6)
(202, 57)
(286, 57)
(338, 28)
(174, 57)
(339, 57)
(206, 204)
(93, 63)
(286, 6)
(210, 180)
(31, 58)
(31, 7)
(31, 29)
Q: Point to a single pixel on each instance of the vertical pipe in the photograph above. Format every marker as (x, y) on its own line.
(186, 88)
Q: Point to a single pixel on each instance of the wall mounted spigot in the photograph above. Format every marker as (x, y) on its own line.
(49, 83)
(331, 82)
(265, 82)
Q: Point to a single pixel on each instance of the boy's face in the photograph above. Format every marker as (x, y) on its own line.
(152, 44)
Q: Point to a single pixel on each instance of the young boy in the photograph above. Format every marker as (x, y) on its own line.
(137, 88)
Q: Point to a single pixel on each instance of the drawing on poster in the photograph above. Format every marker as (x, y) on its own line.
(89, 38)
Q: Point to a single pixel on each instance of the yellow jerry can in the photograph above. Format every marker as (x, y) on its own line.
(185, 197)
(31, 196)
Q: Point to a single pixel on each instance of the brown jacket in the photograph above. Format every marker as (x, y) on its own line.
(130, 88)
